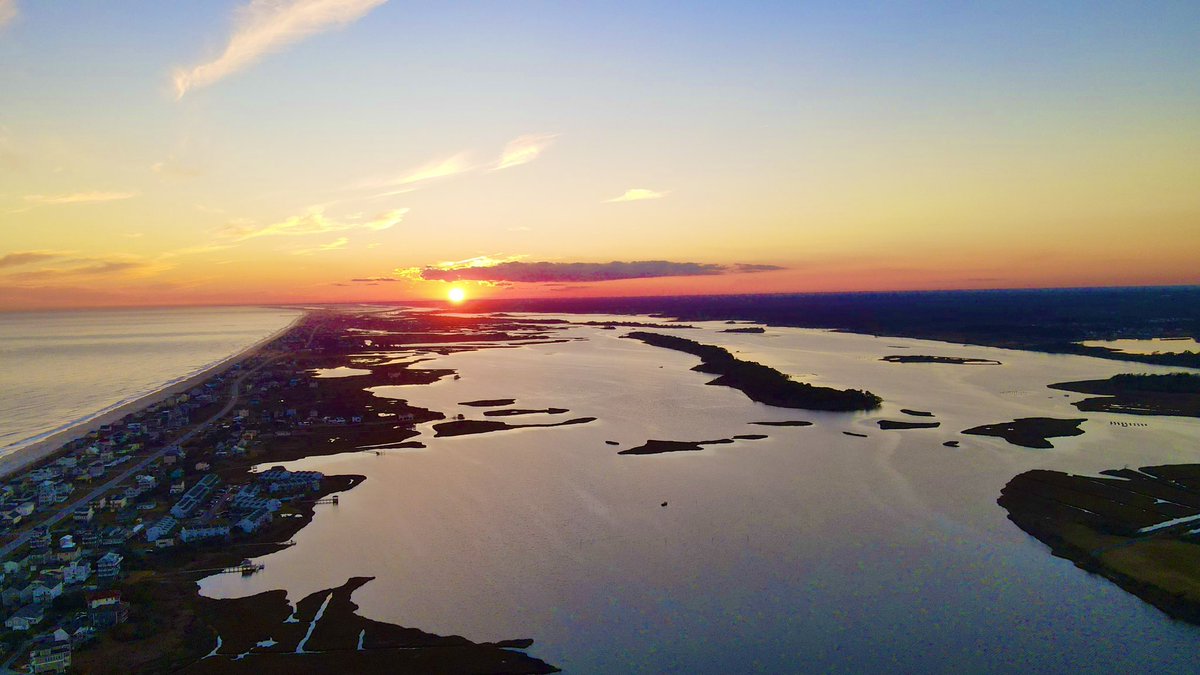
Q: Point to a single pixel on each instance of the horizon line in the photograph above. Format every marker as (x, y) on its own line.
(430, 301)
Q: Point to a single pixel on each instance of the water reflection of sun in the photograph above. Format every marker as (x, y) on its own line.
(457, 295)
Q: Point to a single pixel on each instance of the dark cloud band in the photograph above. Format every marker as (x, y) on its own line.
(554, 272)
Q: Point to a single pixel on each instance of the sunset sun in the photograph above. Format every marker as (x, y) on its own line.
(457, 295)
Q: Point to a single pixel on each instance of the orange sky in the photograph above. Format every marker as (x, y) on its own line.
(243, 152)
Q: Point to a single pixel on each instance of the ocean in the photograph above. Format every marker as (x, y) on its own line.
(807, 551)
(62, 369)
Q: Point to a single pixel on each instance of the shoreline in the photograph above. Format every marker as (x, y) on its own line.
(22, 457)
(175, 624)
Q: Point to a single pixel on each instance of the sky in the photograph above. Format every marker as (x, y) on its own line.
(273, 151)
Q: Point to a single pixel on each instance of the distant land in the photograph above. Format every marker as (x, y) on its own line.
(762, 383)
(1045, 320)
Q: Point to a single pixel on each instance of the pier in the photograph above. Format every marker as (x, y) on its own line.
(245, 568)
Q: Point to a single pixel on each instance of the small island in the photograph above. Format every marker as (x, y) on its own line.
(656, 447)
(468, 427)
(748, 329)
(924, 358)
(489, 402)
(1174, 394)
(1134, 527)
(509, 412)
(1030, 432)
(894, 424)
(760, 383)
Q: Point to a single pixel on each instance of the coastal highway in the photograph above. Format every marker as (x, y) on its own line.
(68, 509)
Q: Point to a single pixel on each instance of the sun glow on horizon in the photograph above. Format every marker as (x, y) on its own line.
(904, 177)
(456, 295)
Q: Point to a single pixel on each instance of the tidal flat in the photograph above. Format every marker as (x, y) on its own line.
(825, 545)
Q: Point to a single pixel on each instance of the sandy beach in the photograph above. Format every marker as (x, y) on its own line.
(19, 457)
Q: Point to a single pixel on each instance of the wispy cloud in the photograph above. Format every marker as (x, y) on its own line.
(80, 197)
(314, 221)
(437, 169)
(8, 12)
(748, 268)
(523, 150)
(334, 245)
(211, 210)
(173, 168)
(198, 249)
(265, 26)
(489, 270)
(520, 150)
(637, 195)
(89, 267)
(17, 258)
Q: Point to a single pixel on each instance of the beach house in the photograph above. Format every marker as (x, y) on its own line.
(76, 572)
(195, 496)
(106, 610)
(84, 514)
(254, 520)
(108, 567)
(163, 528)
(25, 618)
(51, 654)
(44, 590)
(196, 533)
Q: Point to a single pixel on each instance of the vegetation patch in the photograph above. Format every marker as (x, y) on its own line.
(1174, 394)
(1030, 432)
(1134, 527)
